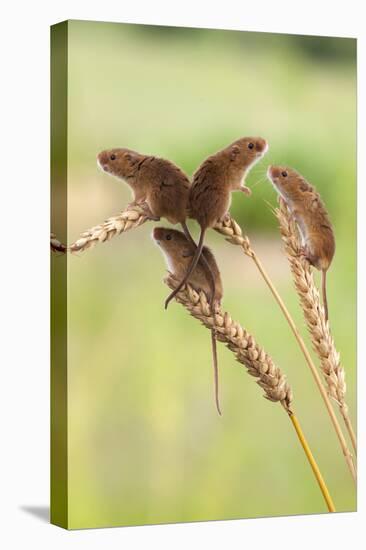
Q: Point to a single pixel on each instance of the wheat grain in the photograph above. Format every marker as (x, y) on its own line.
(314, 314)
(233, 233)
(239, 341)
(131, 217)
(258, 363)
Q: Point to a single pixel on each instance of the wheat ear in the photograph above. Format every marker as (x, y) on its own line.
(56, 245)
(314, 314)
(258, 363)
(233, 233)
(131, 217)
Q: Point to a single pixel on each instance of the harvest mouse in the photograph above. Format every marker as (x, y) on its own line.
(308, 211)
(213, 182)
(159, 187)
(178, 251)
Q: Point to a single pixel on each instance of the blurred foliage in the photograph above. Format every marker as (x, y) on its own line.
(318, 48)
(145, 443)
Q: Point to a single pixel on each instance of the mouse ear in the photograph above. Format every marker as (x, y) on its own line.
(235, 150)
(314, 205)
(130, 155)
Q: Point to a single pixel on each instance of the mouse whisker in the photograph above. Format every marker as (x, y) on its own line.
(260, 180)
(259, 171)
(270, 206)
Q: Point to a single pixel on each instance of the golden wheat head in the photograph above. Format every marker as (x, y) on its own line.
(258, 363)
(130, 218)
(314, 314)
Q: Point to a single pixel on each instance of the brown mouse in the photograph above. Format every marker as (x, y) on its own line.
(178, 251)
(159, 187)
(308, 211)
(213, 182)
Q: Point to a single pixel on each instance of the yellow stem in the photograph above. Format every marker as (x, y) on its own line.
(342, 441)
(313, 464)
(349, 427)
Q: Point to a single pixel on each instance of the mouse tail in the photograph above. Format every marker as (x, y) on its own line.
(211, 280)
(216, 370)
(188, 234)
(192, 266)
(324, 292)
(209, 274)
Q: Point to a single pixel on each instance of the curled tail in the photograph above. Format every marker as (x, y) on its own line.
(194, 262)
(324, 292)
(211, 280)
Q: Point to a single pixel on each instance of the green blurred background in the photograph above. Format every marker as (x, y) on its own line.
(145, 442)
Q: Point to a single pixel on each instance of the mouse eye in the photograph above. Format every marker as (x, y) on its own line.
(168, 237)
(284, 174)
(250, 145)
(113, 156)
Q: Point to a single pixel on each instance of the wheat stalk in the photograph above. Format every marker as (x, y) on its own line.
(239, 341)
(233, 233)
(314, 314)
(56, 245)
(131, 217)
(134, 216)
(258, 363)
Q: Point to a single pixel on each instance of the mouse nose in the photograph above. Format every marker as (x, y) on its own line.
(156, 233)
(261, 145)
(274, 171)
(102, 158)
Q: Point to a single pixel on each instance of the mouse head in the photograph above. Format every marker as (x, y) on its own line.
(178, 253)
(118, 162)
(169, 240)
(174, 246)
(245, 152)
(287, 182)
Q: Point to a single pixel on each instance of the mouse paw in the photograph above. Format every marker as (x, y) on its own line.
(246, 190)
(226, 218)
(303, 253)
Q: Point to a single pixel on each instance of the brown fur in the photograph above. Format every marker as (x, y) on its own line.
(158, 185)
(213, 182)
(155, 182)
(309, 213)
(311, 216)
(178, 251)
(218, 176)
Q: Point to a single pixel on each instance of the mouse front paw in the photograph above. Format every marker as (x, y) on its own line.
(246, 190)
(226, 218)
(304, 254)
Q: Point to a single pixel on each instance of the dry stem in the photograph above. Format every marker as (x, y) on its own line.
(233, 233)
(258, 363)
(133, 216)
(314, 314)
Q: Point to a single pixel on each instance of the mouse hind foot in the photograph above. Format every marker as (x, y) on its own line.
(147, 212)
